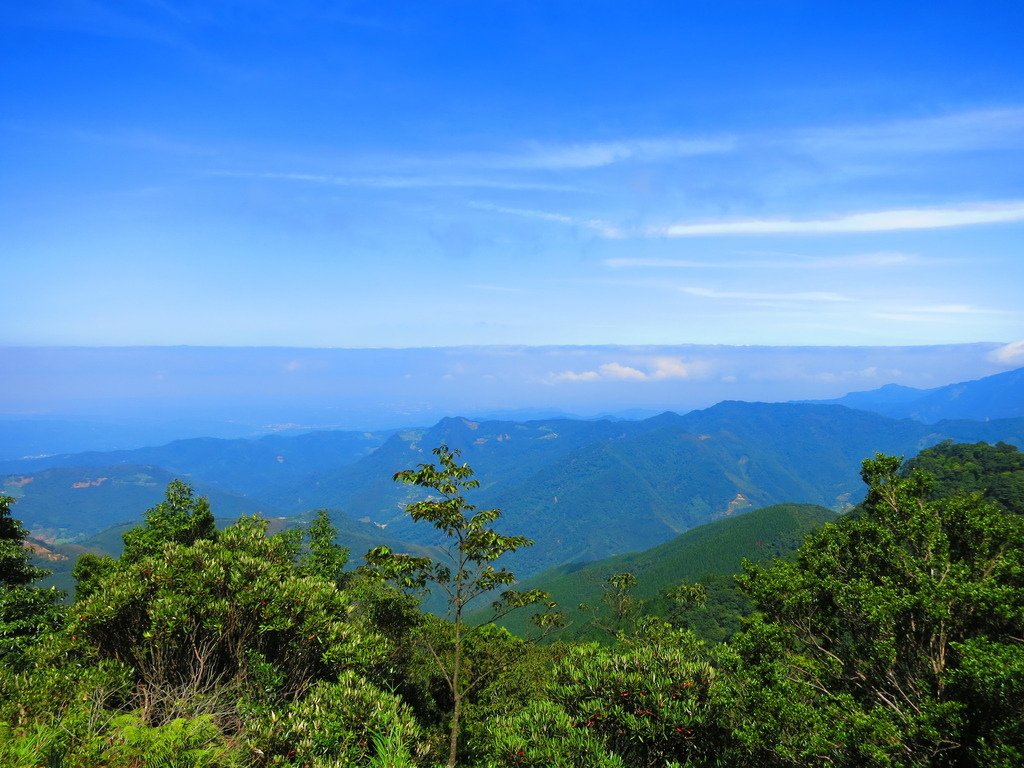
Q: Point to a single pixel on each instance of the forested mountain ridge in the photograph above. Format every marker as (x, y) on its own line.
(255, 466)
(995, 471)
(1000, 396)
(582, 489)
(609, 487)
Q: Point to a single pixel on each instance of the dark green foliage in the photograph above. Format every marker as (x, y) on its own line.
(334, 724)
(892, 637)
(883, 641)
(195, 644)
(195, 742)
(324, 557)
(543, 735)
(618, 603)
(996, 471)
(653, 700)
(717, 617)
(90, 572)
(179, 519)
(26, 612)
(191, 621)
(15, 568)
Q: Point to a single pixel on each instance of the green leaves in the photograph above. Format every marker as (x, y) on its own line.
(872, 621)
(650, 700)
(188, 620)
(325, 558)
(15, 568)
(180, 518)
(473, 546)
(25, 612)
(468, 575)
(335, 723)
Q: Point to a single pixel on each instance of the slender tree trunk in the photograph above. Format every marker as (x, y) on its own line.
(453, 745)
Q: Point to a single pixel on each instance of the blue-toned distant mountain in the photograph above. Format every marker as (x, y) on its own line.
(585, 490)
(994, 397)
(582, 489)
(250, 467)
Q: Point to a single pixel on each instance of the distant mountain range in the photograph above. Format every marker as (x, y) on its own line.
(994, 397)
(250, 466)
(585, 490)
(582, 489)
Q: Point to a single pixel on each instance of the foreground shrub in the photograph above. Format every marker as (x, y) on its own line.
(350, 722)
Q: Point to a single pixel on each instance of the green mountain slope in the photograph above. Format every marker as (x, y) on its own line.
(714, 549)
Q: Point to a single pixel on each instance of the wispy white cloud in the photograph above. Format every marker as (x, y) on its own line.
(800, 296)
(621, 372)
(916, 317)
(858, 260)
(936, 313)
(873, 221)
(603, 228)
(676, 368)
(653, 369)
(584, 155)
(399, 181)
(958, 131)
(948, 309)
(893, 220)
(955, 132)
(554, 378)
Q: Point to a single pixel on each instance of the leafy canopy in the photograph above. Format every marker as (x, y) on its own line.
(468, 574)
(895, 636)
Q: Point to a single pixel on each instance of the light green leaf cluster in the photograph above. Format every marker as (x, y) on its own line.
(335, 724)
(653, 699)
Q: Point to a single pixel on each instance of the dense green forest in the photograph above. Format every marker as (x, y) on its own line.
(892, 636)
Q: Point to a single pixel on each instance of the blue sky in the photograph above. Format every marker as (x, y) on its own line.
(332, 174)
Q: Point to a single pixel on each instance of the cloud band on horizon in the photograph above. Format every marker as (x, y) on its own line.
(895, 219)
